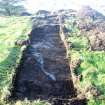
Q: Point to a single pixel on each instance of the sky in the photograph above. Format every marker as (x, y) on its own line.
(35, 5)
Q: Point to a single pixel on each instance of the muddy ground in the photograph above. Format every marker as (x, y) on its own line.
(44, 72)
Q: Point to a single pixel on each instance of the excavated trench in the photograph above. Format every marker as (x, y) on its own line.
(44, 72)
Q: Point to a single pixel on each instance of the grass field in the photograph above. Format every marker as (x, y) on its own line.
(11, 29)
(92, 67)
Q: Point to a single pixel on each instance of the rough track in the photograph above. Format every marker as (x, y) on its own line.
(44, 70)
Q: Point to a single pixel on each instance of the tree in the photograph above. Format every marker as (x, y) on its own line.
(11, 7)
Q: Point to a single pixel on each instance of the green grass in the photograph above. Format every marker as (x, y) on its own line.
(92, 65)
(92, 69)
(78, 43)
(11, 29)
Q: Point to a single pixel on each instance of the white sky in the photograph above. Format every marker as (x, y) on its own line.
(34, 5)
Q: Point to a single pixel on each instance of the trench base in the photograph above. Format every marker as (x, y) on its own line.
(31, 83)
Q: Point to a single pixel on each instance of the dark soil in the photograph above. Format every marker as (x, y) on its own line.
(46, 52)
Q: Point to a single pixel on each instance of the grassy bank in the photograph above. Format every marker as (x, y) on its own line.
(11, 29)
(91, 68)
